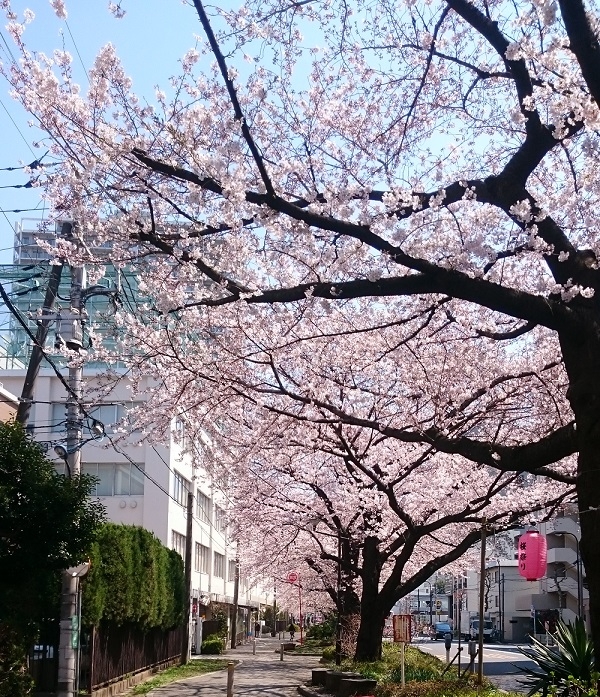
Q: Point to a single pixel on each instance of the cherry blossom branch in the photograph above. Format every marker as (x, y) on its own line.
(513, 334)
(532, 457)
(583, 42)
(434, 279)
(517, 68)
(237, 109)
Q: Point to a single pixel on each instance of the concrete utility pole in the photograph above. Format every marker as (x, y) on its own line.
(481, 603)
(187, 598)
(37, 353)
(274, 627)
(236, 594)
(68, 651)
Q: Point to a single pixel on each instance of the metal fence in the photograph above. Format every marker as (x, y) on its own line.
(112, 653)
(107, 654)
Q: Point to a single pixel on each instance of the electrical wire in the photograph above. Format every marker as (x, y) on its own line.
(15, 125)
(77, 50)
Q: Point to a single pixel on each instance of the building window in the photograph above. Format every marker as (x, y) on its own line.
(203, 507)
(116, 479)
(220, 523)
(178, 544)
(180, 436)
(181, 486)
(231, 574)
(219, 570)
(202, 558)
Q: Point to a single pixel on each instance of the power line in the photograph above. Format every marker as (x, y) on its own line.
(77, 50)
(20, 210)
(15, 125)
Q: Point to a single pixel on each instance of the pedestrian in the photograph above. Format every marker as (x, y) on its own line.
(292, 631)
(257, 629)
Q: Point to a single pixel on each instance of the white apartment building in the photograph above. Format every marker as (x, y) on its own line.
(140, 483)
(143, 484)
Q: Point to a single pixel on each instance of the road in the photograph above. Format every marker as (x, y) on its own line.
(502, 663)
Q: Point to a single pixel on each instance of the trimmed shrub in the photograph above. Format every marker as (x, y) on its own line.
(323, 632)
(212, 645)
(133, 578)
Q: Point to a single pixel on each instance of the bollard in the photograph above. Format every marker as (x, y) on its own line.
(254, 647)
(230, 669)
(473, 651)
(448, 645)
(281, 651)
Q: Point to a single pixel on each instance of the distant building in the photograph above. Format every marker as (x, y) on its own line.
(139, 483)
(8, 404)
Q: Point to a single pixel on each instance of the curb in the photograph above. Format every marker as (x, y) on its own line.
(307, 692)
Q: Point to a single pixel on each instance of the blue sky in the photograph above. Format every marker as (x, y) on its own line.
(150, 39)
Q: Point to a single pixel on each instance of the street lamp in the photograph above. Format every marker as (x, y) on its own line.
(98, 433)
(559, 533)
(430, 602)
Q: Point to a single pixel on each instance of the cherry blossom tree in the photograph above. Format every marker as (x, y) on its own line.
(398, 512)
(348, 193)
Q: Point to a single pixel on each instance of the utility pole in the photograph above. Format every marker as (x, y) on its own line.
(37, 353)
(274, 627)
(481, 603)
(69, 616)
(185, 644)
(236, 594)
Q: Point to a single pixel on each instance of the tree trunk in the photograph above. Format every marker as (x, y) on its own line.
(372, 613)
(582, 361)
(349, 602)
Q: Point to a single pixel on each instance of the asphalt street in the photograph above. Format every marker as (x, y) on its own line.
(502, 663)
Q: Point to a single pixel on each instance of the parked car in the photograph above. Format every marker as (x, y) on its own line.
(441, 628)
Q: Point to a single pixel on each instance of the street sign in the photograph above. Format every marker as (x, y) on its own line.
(401, 625)
(292, 577)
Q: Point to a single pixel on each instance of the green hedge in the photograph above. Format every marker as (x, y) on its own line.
(133, 578)
(212, 645)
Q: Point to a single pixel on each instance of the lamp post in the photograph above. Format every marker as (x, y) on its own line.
(559, 533)
(430, 602)
(500, 600)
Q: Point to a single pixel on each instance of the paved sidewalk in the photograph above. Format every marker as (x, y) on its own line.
(260, 675)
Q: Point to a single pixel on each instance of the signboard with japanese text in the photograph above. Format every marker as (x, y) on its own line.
(402, 628)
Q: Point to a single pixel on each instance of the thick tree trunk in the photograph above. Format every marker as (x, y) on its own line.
(582, 361)
(372, 613)
(349, 603)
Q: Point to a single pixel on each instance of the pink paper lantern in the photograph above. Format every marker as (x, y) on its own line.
(532, 555)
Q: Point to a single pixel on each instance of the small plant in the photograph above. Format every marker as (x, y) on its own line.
(328, 653)
(213, 644)
(323, 631)
(566, 669)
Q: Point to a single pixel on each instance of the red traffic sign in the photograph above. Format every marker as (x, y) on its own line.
(292, 577)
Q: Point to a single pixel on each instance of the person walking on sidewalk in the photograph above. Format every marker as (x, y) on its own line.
(257, 629)
(292, 631)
